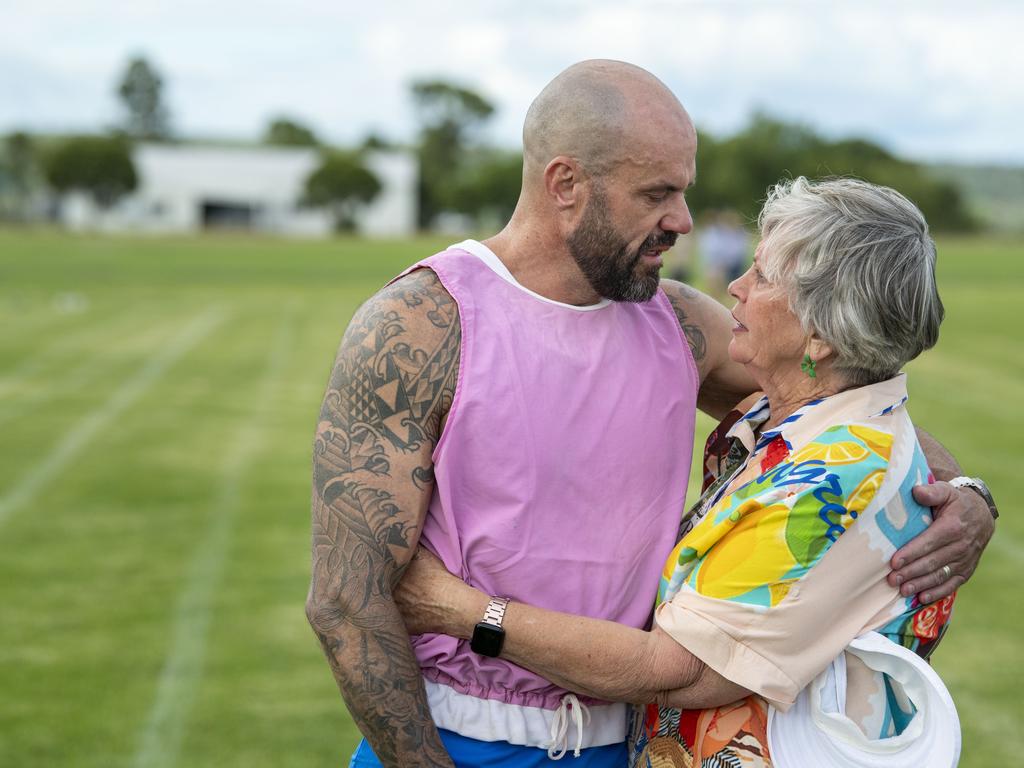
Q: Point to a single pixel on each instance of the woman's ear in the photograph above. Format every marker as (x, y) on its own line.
(818, 349)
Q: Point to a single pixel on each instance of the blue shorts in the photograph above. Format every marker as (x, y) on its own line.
(470, 753)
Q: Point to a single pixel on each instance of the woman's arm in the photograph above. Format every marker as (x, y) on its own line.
(597, 658)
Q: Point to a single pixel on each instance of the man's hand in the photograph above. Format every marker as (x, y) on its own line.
(961, 531)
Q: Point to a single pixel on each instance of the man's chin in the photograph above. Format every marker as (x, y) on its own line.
(642, 290)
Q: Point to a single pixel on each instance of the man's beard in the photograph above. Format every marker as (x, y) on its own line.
(604, 257)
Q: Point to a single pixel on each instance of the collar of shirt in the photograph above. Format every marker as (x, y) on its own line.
(810, 419)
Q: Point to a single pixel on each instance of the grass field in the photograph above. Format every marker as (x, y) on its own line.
(157, 405)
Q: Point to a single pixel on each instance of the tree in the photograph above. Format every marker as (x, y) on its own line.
(489, 185)
(19, 175)
(449, 115)
(98, 165)
(140, 90)
(289, 133)
(342, 183)
(21, 162)
(374, 141)
(737, 172)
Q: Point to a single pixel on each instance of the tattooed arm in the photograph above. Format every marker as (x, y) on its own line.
(388, 396)
(707, 326)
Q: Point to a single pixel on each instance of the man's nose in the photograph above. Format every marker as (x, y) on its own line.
(678, 219)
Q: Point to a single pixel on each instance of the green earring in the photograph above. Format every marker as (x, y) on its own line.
(807, 366)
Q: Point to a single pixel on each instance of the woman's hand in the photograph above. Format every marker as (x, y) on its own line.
(433, 600)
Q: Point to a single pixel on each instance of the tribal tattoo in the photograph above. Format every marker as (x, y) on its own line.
(678, 295)
(389, 393)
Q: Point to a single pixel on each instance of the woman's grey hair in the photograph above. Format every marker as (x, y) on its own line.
(858, 265)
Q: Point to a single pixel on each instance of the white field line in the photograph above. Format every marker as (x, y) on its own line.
(79, 436)
(33, 364)
(70, 381)
(160, 740)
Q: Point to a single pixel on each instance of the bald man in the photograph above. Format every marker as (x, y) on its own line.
(524, 408)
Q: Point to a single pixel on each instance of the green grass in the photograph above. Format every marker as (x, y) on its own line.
(157, 405)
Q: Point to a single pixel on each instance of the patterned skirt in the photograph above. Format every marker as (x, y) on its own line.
(733, 736)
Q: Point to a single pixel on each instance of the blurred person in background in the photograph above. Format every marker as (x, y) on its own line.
(724, 250)
(783, 561)
(679, 260)
(524, 407)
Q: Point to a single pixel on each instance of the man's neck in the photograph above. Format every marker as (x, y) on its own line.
(542, 264)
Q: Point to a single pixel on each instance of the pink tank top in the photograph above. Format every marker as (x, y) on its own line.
(562, 470)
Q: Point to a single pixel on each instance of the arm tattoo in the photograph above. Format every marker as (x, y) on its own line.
(677, 295)
(392, 385)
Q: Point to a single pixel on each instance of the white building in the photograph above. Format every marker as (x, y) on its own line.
(186, 188)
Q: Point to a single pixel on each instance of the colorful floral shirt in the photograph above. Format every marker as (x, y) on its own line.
(784, 561)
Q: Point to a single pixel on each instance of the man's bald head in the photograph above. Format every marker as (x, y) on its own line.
(593, 111)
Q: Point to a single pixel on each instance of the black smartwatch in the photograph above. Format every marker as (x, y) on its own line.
(488, 635)
(977, 485)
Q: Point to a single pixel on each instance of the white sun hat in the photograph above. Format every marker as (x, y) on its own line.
(816, 731)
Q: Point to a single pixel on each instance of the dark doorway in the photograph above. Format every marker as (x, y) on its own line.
(223, 215)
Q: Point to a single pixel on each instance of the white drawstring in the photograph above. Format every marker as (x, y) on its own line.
(560, 727)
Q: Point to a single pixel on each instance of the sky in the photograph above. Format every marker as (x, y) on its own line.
(929, 79)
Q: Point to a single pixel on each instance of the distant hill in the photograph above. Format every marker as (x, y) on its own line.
(995, 194)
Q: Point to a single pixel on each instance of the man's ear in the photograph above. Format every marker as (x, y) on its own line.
(563, 182)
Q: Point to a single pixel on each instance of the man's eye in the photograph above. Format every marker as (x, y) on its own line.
(657, 197)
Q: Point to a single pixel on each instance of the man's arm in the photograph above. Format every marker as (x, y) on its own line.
(962, 529)
(389, 393)
(707, 326)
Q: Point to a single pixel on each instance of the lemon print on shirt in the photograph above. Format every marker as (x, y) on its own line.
(864, 493)
(838, 453)
(731, 568)
(879, 442)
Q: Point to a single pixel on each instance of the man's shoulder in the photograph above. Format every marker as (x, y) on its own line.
(421, 282)
(402, 347)
(690, 308)
(418, 299)
(677, 291)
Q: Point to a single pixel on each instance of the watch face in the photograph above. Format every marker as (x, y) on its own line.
(487, 639)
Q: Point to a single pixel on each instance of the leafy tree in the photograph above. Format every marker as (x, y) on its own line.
(19, 176)
(288, 133)
(449, 116)
(489, 185)
(342, 183)
(21, 162)
(140, 90)
(376, 141)
(737, 172)
(99, 165)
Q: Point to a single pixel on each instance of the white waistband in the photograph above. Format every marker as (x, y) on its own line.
(492, 720)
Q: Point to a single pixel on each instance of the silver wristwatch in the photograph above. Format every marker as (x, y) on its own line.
(977, 485)
(489, 636)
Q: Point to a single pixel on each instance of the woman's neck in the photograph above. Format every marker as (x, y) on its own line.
(791, 393)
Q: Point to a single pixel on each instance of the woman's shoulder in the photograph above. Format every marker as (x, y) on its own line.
(872, 464)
